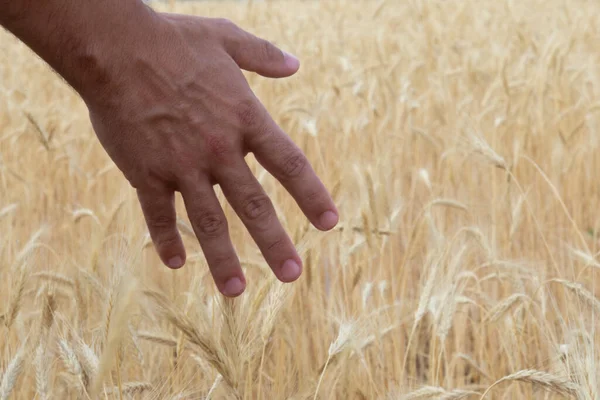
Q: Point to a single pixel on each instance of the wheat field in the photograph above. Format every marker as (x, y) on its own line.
(461, 142)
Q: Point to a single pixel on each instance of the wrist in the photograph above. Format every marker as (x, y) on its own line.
(100, 65)
(86, 42)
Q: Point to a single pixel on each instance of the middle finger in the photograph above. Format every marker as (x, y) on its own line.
(255, 209)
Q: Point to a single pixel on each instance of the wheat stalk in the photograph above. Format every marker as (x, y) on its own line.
(56, 278)
(88, 360)
(542, 379)
(438, 393)
(114, 326)
(11, 374)
(158, 338)
(41, 373)
(582, 292)
(501, 308)
(14, 304)
(72, 364)
(131, 388)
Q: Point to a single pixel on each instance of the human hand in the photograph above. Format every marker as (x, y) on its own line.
(177, 114)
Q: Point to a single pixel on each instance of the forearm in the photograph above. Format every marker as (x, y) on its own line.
(82, 40)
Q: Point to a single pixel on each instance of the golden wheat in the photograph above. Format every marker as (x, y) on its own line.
(461, 143)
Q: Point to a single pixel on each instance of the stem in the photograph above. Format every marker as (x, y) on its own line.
(214, 386)
(119, 385)
(489, 388)
(262, 361)
(321, 377)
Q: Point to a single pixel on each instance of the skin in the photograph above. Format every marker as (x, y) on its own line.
(171, 107)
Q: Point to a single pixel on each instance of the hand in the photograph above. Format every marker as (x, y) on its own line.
(178, 115)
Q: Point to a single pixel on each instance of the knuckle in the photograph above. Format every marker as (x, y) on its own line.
(256, 207)
(181, 23)
(210, 225)
(278, 243)
(294, 165)
(225, 23)
(160, 222)
(168, 240)
(268, 51)
(313, 196)
(222, 261)
(218, 146)
(248, 114)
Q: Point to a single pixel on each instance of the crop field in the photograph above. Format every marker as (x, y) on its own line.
(461, 142)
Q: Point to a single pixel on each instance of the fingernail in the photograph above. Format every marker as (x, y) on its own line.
(175, 262)
(233, 287)
(291, 61)
(328, 220)
(290, 271)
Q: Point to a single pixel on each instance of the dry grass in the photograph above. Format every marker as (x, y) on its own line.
(461, 140)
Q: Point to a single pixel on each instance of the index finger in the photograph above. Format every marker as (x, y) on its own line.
(276, 151)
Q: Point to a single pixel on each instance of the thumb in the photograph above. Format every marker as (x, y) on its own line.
(261, 56)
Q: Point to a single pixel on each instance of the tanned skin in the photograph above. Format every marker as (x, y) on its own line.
(171, 107)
